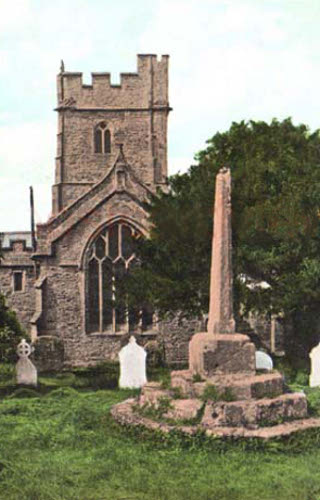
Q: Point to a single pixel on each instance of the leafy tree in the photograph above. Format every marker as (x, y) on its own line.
(11, 332)
(276, 231)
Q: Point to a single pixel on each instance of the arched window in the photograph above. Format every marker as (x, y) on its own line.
(109, 258)
(102, 139)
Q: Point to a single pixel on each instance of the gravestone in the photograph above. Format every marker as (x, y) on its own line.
(26, 372)
(132, 365)
(314, 379)
(263, 361)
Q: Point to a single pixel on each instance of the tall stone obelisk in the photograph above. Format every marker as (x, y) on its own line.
(221, 351)
(221, 318)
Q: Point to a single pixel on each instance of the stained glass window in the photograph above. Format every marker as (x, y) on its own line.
(109, 260)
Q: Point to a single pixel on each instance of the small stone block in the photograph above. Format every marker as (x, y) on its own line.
(248, 413)
(184, 409)
(152, 393)
(183, 380)
(211, 354)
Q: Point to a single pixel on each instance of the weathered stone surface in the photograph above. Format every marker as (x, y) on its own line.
(213, 354)
(152, 393)
(183, 409)
(240, 385)
(124, 414)
(183, 379)
(23, 302)
(221, 318)
(48, 354)
(175, 334)
(264, 411)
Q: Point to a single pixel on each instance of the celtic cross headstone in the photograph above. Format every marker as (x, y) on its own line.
(26, 372)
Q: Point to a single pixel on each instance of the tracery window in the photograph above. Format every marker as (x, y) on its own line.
(109, 259)
(102, 139)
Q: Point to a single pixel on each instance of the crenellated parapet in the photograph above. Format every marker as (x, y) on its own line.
(144, 89)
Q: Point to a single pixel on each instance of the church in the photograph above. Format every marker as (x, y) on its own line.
(64, 278)
(111, 154)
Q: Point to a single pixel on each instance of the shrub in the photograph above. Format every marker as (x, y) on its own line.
(302, 378)
(24, 392)
(11, 333)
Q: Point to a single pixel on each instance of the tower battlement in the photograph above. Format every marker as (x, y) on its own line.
(144, 89)
(93, 119)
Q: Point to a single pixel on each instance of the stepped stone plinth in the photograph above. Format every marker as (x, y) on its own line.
(221, 393)
(240, 385)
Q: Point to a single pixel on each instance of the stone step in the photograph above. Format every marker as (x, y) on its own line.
(240, 386)
(263, 412)
(125, 414)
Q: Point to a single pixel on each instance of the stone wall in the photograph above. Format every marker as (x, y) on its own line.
(16, 257)
(174, 335)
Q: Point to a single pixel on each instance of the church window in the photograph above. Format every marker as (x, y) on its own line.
(102, 139)
(109, 260)
(17, 281)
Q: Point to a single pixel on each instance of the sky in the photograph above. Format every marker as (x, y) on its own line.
(230, 60)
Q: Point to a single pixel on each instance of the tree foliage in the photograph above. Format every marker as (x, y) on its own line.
(275, 216)
(11, 332)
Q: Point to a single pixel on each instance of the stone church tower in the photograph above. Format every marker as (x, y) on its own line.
(111, 153)
(94, 119)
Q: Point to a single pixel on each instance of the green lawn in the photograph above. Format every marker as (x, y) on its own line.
(63, 445)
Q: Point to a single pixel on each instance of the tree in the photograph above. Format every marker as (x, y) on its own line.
(276, 231)
(11, 331)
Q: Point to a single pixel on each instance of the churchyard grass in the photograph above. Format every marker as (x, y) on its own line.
(63, 445)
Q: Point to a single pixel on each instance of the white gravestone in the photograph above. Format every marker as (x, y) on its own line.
(314, 379)
(132, 365)
(26, 372)
(263, 361)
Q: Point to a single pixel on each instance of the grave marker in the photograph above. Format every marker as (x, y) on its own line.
(314, 379)
(26, 372)
(132, 365)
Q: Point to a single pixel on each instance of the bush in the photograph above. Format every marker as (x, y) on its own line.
(11, 333)
(302, 378)
(24, 392)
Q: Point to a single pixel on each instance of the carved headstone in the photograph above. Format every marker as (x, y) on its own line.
(263, 361)
(132, 365)
(26, 372)
(314, 379)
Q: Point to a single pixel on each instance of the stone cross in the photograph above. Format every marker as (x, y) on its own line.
(132, 365)
(221, 318)
(26, 372)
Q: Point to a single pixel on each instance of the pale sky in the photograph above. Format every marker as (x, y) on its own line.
(230, 60)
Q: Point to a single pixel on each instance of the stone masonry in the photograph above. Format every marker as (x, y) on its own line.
(96, 188)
